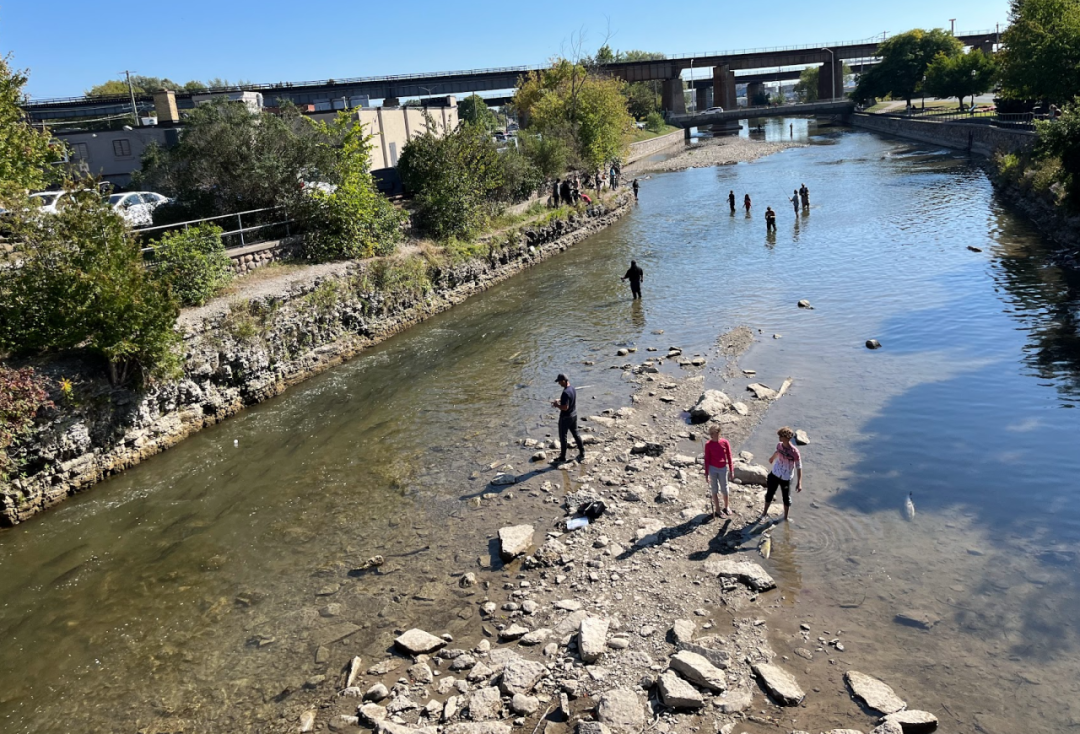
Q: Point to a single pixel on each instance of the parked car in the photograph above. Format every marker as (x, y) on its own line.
(137, 207)
(711, 110)
(47, 201)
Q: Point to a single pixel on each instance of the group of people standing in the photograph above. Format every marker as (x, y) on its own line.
(786, 464)
(799, 197)
(570, 190)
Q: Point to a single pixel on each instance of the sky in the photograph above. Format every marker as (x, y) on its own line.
(80, 43)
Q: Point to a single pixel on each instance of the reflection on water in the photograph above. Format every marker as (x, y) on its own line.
(201, 586)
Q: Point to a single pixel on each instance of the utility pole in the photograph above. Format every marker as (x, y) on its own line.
(952, 26)
(131, 91)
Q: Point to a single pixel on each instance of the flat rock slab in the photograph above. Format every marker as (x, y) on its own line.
(873, 693)
(521, 676)
(483, 727)
(570, 605)
(889, 727)
(682, 630)
(485, 703)
(762, 392)
(622, 710)
(418, 642)
(698, 670)
(780, 684)
(735, 700)
(747, 473)
(677, 693)
(515, 540)
(913, 722)
(592, 638)
(915, 618)
(333, 633)
(513, 632)
(746, 572)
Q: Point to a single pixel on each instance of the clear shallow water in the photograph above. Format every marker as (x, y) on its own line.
(185, 594)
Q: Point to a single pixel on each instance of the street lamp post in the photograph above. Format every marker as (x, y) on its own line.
(952, 26)
(832, 68)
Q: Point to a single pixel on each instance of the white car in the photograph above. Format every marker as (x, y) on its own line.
(137, 207)
(711, 110)
(47, 201)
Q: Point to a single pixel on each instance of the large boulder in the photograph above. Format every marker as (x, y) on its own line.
(418, 642)
(746, 572)
(485, 704)
(750, 473)
(515, 540)
(780, 684)
(873, 693)
(711, 404)
(698, 670)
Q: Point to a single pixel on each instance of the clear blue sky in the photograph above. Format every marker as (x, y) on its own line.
(69, 46)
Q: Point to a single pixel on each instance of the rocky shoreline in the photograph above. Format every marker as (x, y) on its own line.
(716, 152)
(1053, 221)
(653, 616)
(243, 351)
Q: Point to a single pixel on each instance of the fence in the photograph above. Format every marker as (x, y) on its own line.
(255, 231)
(984, 116)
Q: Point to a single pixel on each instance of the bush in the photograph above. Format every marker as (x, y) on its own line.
(654, 122)
(521, 178)
(550, 153)
(193, 263)
(83, 284)
(355, 220)
(22, 394)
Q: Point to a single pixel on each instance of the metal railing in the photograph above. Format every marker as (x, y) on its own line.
(241, 232)
(985, 116)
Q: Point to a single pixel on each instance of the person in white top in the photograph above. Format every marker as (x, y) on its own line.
(785, 461)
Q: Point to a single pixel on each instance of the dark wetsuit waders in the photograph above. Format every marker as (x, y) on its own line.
(568, 422)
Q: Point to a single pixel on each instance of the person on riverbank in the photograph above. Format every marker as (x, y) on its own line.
(567, 405)
(555, 194)
(804, 194)
(719, 468)
(564, 192)
(636, 186)
(731, 200)
(785, 461)
(746, 203)
(635, 276)
(795, 201)
(770, 219)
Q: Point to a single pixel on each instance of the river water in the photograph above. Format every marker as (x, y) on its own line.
(193, 593)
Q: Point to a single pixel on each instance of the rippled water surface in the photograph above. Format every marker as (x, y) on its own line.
(184, 595)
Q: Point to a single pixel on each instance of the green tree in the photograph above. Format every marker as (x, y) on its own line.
(454, 180)
(474, 111)
(27, 155)
(904, 61)
(193, 263)
(807, 88)
(959, 76)
(1040, 58)
(642, 99)
(354, 220)
(230, 159)
(140, 85)
(550, 153)
(82, 284)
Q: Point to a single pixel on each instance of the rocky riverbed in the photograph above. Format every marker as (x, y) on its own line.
(717, 152)
(653, 616)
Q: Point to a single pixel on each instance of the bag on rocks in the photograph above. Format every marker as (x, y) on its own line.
(592, 510)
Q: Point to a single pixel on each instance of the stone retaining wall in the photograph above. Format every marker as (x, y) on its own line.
(976, 138)
(246, 259)
(250, 352)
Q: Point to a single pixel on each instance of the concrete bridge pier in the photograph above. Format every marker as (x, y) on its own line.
(829, 75)
(672, 96)
(754, 92)
(702, 98)
(724, 87)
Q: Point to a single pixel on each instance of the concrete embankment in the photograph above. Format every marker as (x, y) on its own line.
(646, 148)
(255, 348)
(976, 138)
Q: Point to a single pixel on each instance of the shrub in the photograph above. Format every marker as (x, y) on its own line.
(22, 394)
(521, 178)
(83, 284)
(654, 122)
(193, 263)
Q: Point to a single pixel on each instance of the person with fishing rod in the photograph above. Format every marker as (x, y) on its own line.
(567, 405)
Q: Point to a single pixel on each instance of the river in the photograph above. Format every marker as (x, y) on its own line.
(193, 592)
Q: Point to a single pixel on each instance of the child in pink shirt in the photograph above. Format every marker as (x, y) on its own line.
(718, 469)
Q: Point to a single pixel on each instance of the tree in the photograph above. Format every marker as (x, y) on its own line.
(193, 263)
(230, 159)
(807, 88)
(1061, 138)
(642, 99)
(140, 85)
(959, 76)
(82, 284)
(904, 61)
(27, 155)
(1041, 55)
(474, 111)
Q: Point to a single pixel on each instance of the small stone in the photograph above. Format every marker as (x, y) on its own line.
(307, 722)
(420, 673)
(801, 437)
(569, 605)
(618, 643)
(479, 672)
(536, 637)
(746, 572)
(736, 700)
(515, 540)
(467, 580)
(524, 705)
(513, 632)
(913, 722)
(485, 704)
(805, 304)
(592, 638)
(377, 692)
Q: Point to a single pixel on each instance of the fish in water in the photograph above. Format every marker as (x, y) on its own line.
(909, 507)
(765, 547)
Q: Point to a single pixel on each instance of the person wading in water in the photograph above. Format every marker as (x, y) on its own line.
(731, 201)
(635, 276)
(770, 219)
(746, 203)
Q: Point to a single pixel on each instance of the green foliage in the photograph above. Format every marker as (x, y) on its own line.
(354, 220)
(141, 85)
(1060, 139)
(807, 88)
(904, 61)
(1008, 165)
(551, 152)
(193, 263)
(22, 394)
(454, 180)
(230, 159)
(26, 154)
(473, 110)
(407, 277)
(960, 76)
(567, 96)
(82, 284)
(521, 177)
(1041, 55)
(642, 99)
(654, 123)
